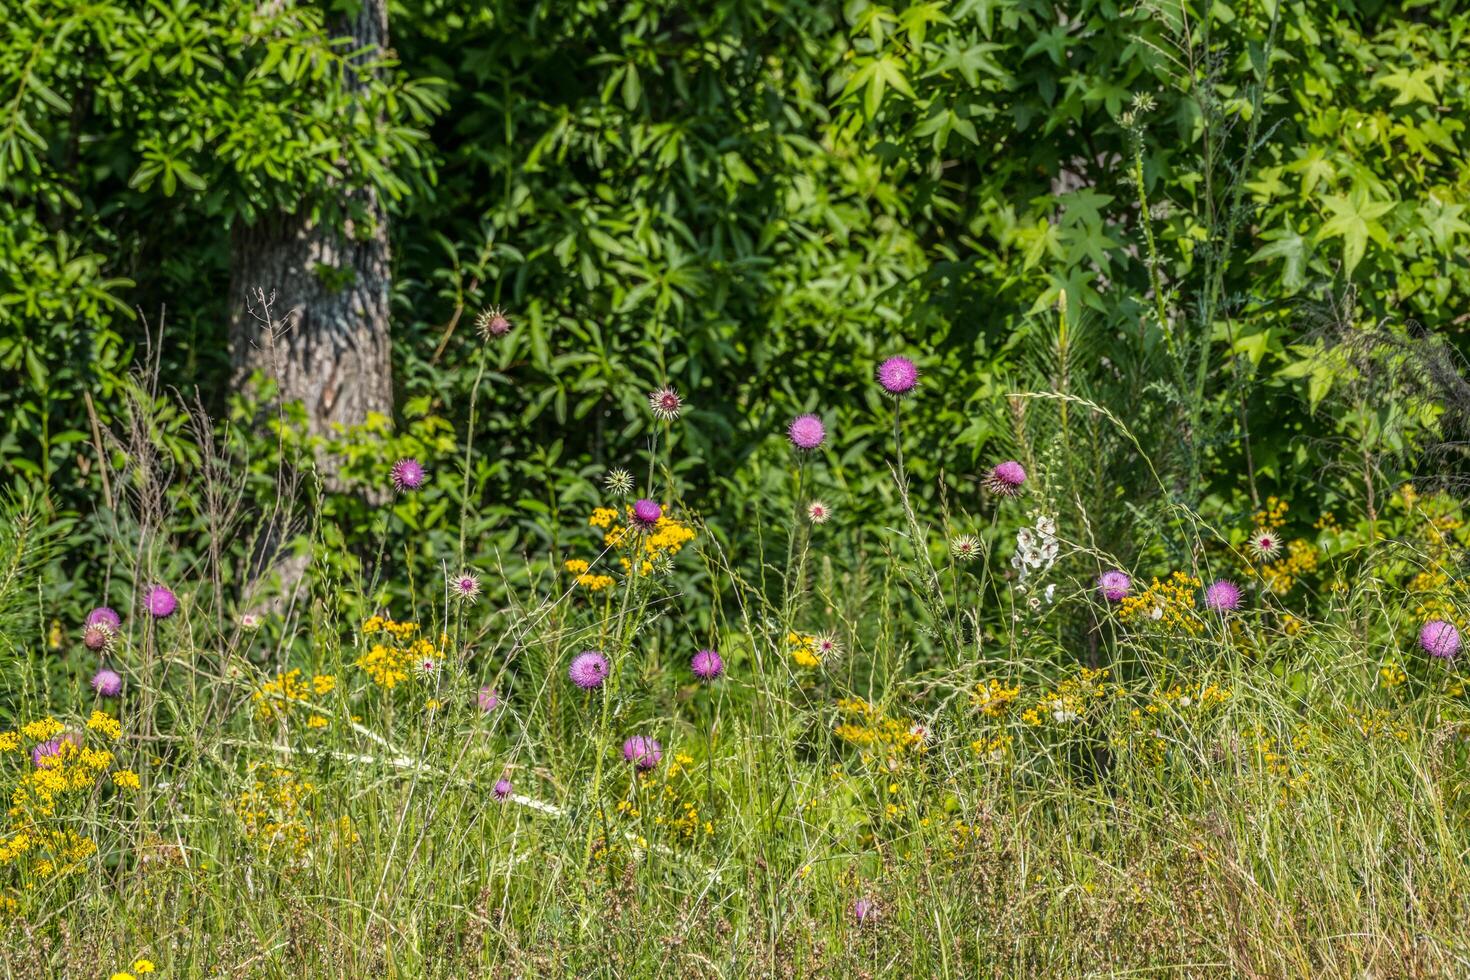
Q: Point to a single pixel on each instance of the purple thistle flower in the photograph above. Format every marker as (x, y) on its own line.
(1440, 638)
(96, 638)
(707, 665)
(647, 513)
(1114, 585)
(643, 752)
(492, 323)
(806, 432)
(104, 616)
(407, 474)
(1006, 478)
(51, 752)
(502, 788)
(588, 670)
(1223, 595)
(465, 586)
(665, 404)
(488, 699)
(161, 602)
(863, 910)
(107, 683)
(898, 376)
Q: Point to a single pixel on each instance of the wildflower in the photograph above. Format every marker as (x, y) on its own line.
(588, 670)
(126, 779)
(161, 602)
(818, 512)
(488, 699)
(1265, 544)
(502, 788)
(1006, 478)
(250, 622)
(427, 666)
(106, 617)
(646, 513)
(53, 751)
(105, 724)
(143, 966)
(619, 482)
(407, 474)
(1223, 595)
(492, 323)
(1114, 585)
(665, 404)
(826, 646)
(863, 910)
(643, 752)
(707, 665)
(964, 547)
(1440, 638)
(898, 375)
(806, 432)
(465, 586)
(108, 682)
(96, 638)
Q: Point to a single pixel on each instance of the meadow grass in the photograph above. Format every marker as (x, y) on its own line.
(310, 788)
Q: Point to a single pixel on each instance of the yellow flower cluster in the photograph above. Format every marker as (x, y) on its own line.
(139, 967)
(1177, 700)
(1300, 559)
(1169, 604)
(993, 698)
(803, 649)
(992, 748)
(52, 853)
(71, 769)
(1070, 700)
(68, 769)
(651, 550)
(671, 804)
(274, 811)
(101, 722)
(1273, 515)
(584, 577)
(1378, 723)
(276, 698)
(869, 727)
(391, 663)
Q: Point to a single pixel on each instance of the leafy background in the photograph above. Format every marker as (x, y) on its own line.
(754, 202)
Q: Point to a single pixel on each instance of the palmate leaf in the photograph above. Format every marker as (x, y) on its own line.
(1355, 220)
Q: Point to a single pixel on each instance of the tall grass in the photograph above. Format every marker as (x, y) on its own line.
(1252, 795)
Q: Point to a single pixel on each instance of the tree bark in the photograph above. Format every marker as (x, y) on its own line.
(328, 344)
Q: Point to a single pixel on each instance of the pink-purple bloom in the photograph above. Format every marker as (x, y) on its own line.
(1440, 638)
(588, 670)
(107, 683)
(806, 431)
(407, 474)
(646, 513)
(50, 753)
(1114, 585)
(898, 375)
(707, 665)
(96, 638)
(106, 617)
(161, 602)
(1006, 478)
(502, 788)
(1223, 595)
(488, 699)
(643, 752)
(863, 910)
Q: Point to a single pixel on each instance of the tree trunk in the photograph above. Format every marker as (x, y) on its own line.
(309, 311)
(327, 344)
